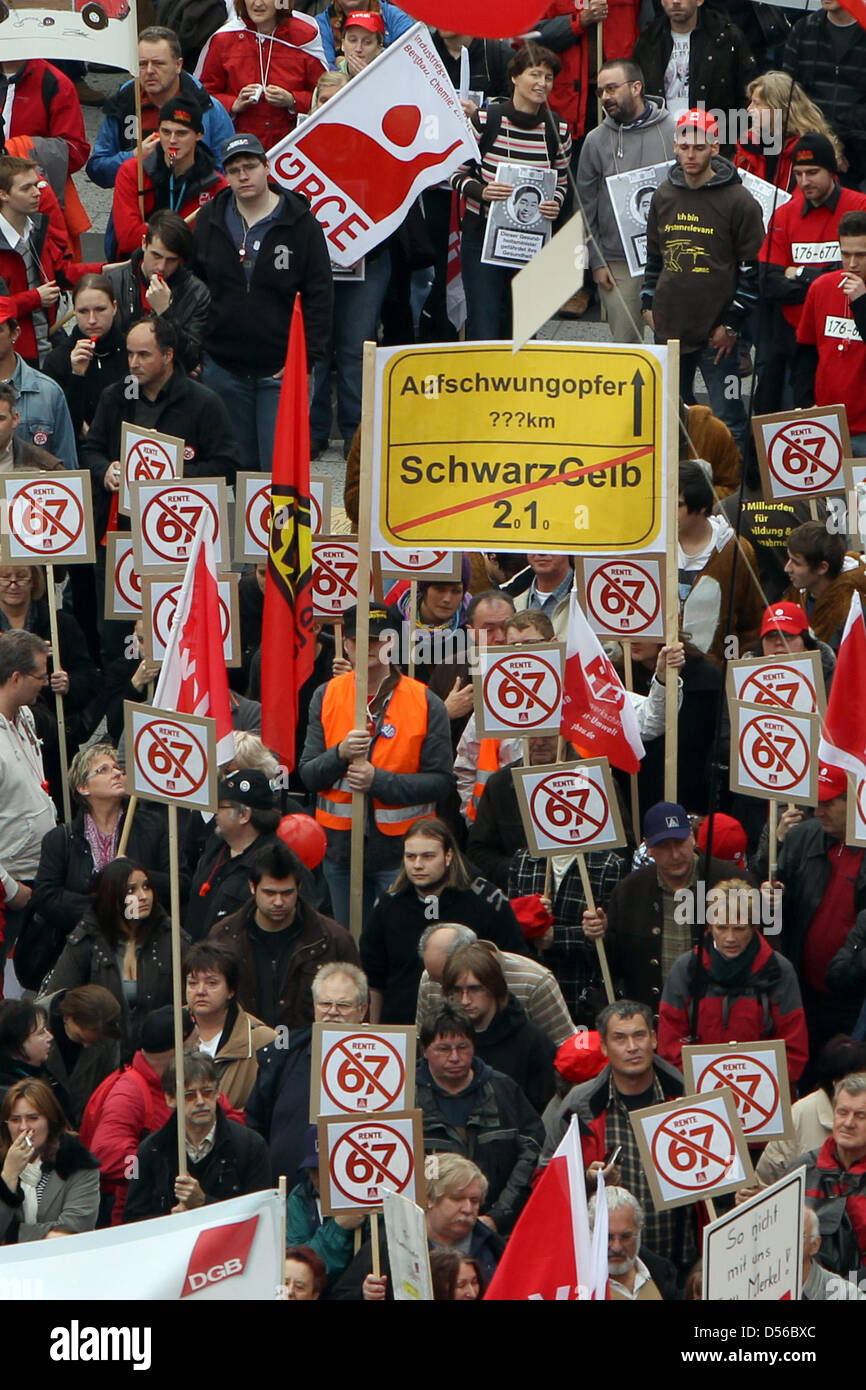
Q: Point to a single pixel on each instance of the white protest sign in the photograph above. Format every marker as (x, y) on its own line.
(774, 754)
(165, 518)
(630, 197)
(794, 682)
(800, 452)
(519, 690)
(98, 31)
(145, 456)
(253, 513)
(768, 196)
(122, 581)
(755, 1252)
(568, 806)
(171, 757)
(408, 1249)
(756, 1074)
(367, 1069)
(48, 518)
(692, 1149)
(159, 605)
(623, 598)
(360, 1158)
(335, 575)
(855, 829)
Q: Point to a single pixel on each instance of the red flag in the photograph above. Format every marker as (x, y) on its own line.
(597, 715)
(549, 1254)
(843, 736)
(857, 8)
(193, 679)
(480, 18)
(288, 644)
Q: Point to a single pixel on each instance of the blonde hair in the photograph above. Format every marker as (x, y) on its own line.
(733, 901)
(327, 79)
(251, 752)
(782, 93)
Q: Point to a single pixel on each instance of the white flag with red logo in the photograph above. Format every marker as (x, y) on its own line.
(363, 158)
(549, 1254)
(193, 679)
(597, 715)
(843, 736)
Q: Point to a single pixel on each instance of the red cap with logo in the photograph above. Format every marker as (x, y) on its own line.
(832, 781)
(365, 19)
(7, 308)
(785, 617)
(699, 120)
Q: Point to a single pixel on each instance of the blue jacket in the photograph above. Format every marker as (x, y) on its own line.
(396, 23)
(304, 1226)
(114, 142)
(45, 419)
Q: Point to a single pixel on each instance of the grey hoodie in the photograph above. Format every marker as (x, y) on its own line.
(615, 149)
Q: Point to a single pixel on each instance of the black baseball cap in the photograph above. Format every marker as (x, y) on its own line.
(381, 619)
(243, 144)
(249, 787)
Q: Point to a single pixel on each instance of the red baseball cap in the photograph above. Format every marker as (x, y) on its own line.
(7, 308)
(699, 120)
(365, 19)
(784, 617)
(832, 781)
(729, 838)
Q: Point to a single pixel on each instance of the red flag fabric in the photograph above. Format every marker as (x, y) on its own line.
(843, 736)
(288, 642)
(597, 715)
(549, 1253)
(857, 8)
(193, 678)
(481, 18)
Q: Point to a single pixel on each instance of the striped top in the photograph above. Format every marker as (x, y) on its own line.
(521, 139)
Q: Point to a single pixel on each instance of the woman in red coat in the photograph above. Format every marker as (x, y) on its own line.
(739, 990)
(260, 73)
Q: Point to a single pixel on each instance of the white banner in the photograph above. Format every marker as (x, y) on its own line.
(364, 157)
(91, 31)
(229, 1251)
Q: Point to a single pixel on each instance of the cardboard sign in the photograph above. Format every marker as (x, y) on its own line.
(441, 565)
(518, 690)
(692, 1149)
(515, 229)
(774, 754)
(568, 806)
(170, 757)
(122, 580)
(360, 1158)
(754, 1253)
(253, 513)
(800, 452)
(362, 1069)
(623, 598)
(408, 1249)
(160, 594)
(756, 1074)
(47, 518)
(165, 518)
(855, 828)
(147, 456)
(335, 575)
(630, 196)
(794, 682)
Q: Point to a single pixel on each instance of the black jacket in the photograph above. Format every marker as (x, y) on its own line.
(838, 89)
(390, 936)
(188, 310)
(237, 1164)
(187, 410)
(226, 884)
(497, 832)
(720, 61)
(846, 973)
(278, 1107)
(804, 868)
(488, 64)
(109, 363)
(520, 1049)
(248, 326)
(502, 1134)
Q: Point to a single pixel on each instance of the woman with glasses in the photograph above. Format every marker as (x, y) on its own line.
(73, 855)
(49, 1183)
(123, 942)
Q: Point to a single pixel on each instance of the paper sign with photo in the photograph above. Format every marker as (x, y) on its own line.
(516, 230)
(630, 195)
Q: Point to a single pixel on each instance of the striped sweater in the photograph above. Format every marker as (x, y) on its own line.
(521, 139)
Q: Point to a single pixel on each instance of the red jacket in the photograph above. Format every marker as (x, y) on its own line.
(129, 226)
(52, 247)
(753, 161)
(233, 61)
(768, 1005)
(838, 1195)
(46, 105)
(561, 30)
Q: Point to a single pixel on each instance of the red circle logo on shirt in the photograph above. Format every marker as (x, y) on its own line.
(40, 437)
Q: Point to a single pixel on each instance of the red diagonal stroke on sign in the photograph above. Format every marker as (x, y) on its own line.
(690, 1144)
(172, 757)
(145, 463)
(631, 602)
(767, 740)
(774, 697)
(533, 699)
(576, 812)
(807, 453)
(325, 568)
(523, 487)
(377, 1164)
(368, 1075)
(41, 510)
(747, 1099)
(175, 516)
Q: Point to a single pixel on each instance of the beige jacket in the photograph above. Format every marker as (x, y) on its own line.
(236, 1060)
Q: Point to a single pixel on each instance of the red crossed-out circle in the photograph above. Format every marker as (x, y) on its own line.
(391, 560)
(126, 581)
(368, 1155)
(147, 461)
(755, 1089)
(615, 601)
(768, 754)
(333, 588)
(569, 808)
(524, 698)
(51, 510)
(166, 606)
(805, 465)
(356, 1079)
(169, 533)
(704, 1150)
(787, 693)
(162, 751)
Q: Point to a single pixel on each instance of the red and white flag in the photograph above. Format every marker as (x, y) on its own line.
(843, 736)
(549, 1254)
(193, 679)
(857, 8)
(597, 715)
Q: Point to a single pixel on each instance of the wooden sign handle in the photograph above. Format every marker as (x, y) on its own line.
(599, 943)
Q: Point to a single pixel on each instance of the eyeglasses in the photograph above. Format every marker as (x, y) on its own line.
(610, 88)
(206, 1093)
(445, 1049)
(341, 1005)
(19, 579)
(102, 770)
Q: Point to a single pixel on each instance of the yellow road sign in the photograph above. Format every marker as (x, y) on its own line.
(557, 447)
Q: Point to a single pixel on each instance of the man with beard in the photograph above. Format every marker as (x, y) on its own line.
(636, 1275)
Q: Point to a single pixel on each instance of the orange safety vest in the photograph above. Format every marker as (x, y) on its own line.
(396, 747)
(488, 763)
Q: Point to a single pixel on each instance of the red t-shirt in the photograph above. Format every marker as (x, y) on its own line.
(834, 919)
(802, 235)
(827, 323)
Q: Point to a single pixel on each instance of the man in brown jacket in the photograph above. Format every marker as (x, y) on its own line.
(281, 941)
(823, 578)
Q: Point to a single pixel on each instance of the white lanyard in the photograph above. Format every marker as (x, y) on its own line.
(264, 68)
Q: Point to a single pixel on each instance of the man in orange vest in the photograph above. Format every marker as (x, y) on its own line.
(401, 759)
